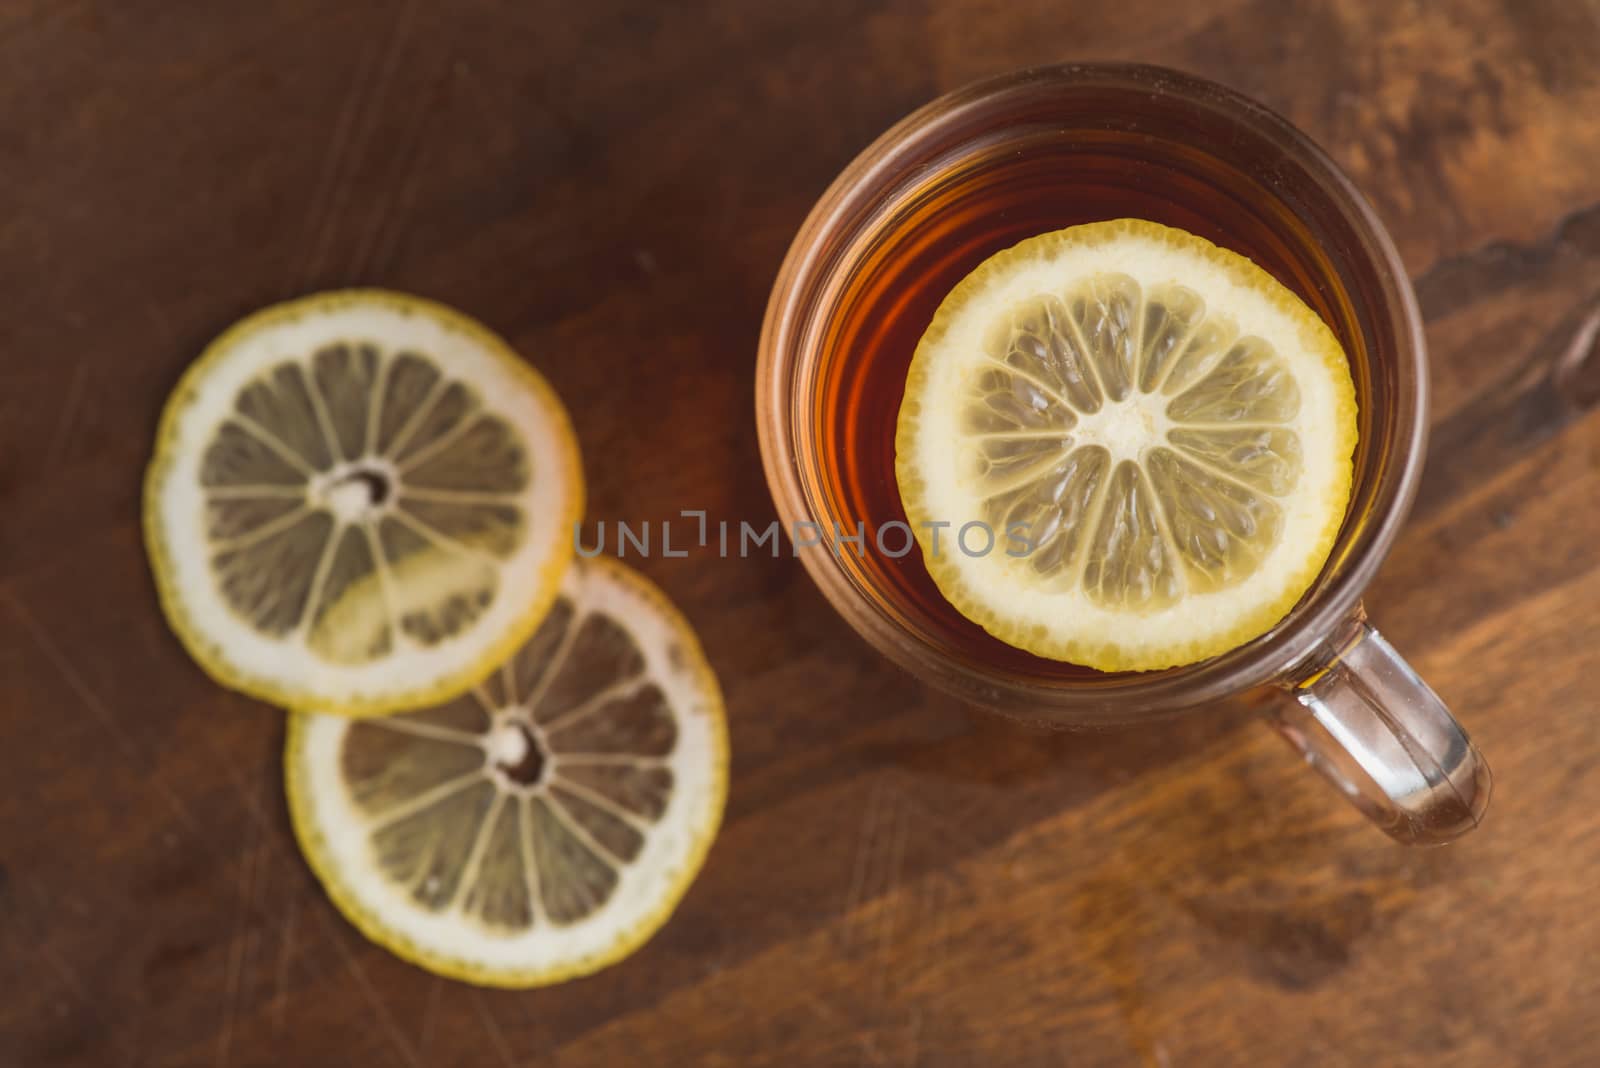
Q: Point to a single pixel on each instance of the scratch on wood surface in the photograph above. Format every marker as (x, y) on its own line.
(938, 901)
(16, 949)
(822, 1010)
(369, 993)
(73, 983)
(69, 977)
(385, 251)
(68, 414)
(838, 1025)
(80, 687)
(280, 999)
(397, 194)
(255, 938)
(68, 671)
(379, 1008)
(914, 1040)
(888, 820)
(332, 162)
(873, 814)
(425, 1043)
(239, 946)
(898, 834)
(867, 1042)
(331, 932)
(250, 916)
(491, 1027)
(230, 1000)
(932, 924)
(360, 135)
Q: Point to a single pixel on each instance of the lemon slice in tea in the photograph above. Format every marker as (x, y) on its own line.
(1154, 431)
(546, 823)
(359, 501)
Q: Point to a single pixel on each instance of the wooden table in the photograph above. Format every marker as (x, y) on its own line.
(899, 881)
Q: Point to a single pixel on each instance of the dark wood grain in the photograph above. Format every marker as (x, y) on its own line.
(900, 882)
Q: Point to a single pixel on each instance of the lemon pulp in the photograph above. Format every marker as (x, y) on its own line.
(1157, 433)
(359, 501)
(542, 825)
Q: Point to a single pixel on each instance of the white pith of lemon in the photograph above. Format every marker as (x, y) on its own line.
(543, 825)
(1163, 429)
(359, 501)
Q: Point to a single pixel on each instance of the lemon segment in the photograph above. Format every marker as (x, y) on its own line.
(1158, 433)
(359, 501)
(543, 825)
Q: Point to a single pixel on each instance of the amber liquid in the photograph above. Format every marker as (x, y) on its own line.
(1085, 160)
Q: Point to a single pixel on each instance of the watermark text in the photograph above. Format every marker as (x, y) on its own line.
(676, 538)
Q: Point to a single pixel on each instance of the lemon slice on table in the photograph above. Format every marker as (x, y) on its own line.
(1156, 433)
(359, 501)
(546, 823)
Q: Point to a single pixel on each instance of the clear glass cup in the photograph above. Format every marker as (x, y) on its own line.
(985, 166)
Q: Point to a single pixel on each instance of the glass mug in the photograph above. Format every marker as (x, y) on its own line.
(975, 172)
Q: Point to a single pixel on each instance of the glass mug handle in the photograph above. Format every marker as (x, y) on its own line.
(1363, 718)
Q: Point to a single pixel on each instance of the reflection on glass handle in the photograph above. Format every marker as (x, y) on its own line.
(1372, 727)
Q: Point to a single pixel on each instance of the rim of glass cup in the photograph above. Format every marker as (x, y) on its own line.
(813, 263)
